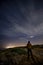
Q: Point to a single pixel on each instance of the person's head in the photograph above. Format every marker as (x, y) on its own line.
(28, 42)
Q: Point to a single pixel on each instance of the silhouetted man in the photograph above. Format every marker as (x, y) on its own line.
(29, 49)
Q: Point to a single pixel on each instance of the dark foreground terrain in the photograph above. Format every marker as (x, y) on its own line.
(18, 56)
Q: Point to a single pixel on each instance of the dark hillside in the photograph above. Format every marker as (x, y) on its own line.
(18, 56)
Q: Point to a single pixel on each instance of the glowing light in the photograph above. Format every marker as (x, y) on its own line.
(31, 36)
(12, 46)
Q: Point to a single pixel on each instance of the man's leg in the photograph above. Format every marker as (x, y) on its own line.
(32, 55)
(28, 53)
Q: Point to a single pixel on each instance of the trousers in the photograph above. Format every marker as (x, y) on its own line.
(30, 53)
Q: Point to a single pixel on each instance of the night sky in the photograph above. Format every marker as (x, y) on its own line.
(20, 21)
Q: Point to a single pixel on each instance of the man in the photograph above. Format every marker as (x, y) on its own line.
(29, 49)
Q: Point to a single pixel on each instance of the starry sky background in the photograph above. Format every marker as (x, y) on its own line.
(20, 21)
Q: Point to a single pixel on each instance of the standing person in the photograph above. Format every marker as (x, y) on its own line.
(29, 49)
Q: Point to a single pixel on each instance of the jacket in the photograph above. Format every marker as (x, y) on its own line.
(29, 45)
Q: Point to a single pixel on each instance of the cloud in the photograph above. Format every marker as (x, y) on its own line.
(30, 29)
(21, 20)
